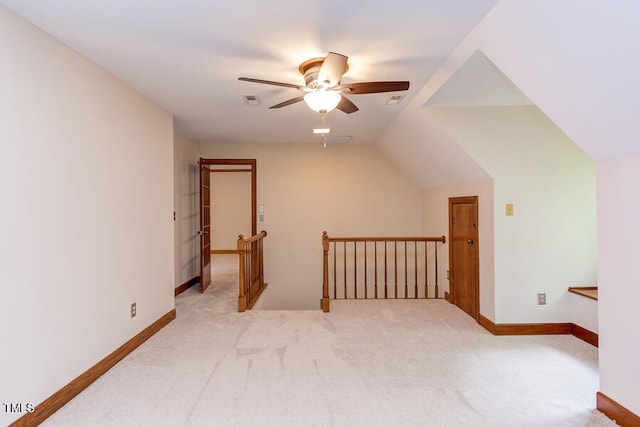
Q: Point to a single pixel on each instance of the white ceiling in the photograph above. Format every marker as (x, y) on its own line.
(186, 55)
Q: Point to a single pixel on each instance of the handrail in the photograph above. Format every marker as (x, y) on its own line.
(251, 239)
(441, 239)
(375, 268)
(251, 280)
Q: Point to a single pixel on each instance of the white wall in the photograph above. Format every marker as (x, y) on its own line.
(549, 243)
(435, 221)
(583, 312)
(618, 280)
(346, 190)
(187, 209)
(86, 213)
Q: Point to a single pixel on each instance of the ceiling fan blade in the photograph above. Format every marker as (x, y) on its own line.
(346, 106)
(373, 87)
(269, 82)
(332, 69)
(289, 102)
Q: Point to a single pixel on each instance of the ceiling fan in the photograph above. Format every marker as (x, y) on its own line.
(322, 85)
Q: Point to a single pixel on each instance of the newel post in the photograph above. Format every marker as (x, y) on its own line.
(324, 303)
(242, 298)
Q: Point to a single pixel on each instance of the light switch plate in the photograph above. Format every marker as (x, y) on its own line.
(509, 209)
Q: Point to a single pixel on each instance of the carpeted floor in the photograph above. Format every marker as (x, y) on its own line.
(367, 363)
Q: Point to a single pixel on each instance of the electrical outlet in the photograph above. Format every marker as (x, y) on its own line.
(542, 298)
(133, 310)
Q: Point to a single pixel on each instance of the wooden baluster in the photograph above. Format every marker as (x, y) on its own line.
(251, 261)
(247, 274)
(435, 249)
(249, 281)
(325, 273)
(415, 269)
(366, 295)
(406, 276)
(395, 269)
(242, 299)
(426, 270)
(261, 258)
(256, 270)
(355, 270)
(344, 264)
(375, 268)
(249, 277)
(335, 272)
(385, 270)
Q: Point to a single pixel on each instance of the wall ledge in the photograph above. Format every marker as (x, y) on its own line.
(586, 291)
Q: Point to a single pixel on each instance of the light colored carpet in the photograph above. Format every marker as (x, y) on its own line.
(367, 363)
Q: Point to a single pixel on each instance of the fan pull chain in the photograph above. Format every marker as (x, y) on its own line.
(323, 115)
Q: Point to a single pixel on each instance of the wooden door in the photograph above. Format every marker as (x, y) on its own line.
(205, 226)
(464, 255)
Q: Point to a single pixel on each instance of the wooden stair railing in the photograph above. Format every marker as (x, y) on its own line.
(252, 284)
(379, 267)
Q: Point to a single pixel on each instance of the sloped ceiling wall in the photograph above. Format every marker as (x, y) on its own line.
(576, 61)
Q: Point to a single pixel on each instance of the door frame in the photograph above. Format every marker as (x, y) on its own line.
(209, 163)
(252, 169)
(476, 274)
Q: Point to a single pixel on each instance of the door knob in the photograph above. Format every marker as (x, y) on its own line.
(470, 241)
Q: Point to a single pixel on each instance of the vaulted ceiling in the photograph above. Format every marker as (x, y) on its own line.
(577, 63)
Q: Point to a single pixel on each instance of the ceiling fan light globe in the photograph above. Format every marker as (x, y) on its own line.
(322, 100)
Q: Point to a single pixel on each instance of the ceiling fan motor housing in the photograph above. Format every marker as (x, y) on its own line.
(310, 69)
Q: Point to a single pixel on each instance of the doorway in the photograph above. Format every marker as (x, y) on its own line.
(207, 166)
(464, 277)
(230, 209)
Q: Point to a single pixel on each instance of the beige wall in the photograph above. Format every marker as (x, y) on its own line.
(87, 191)
(435, 219)
(230, 208)
(305, 189)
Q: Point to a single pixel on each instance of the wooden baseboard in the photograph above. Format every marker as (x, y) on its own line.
(57, 400)
(224, 251)
(533, 329)
(539, 329)
(584, 334)
(616, 411)
(487, 324)
(186, 285)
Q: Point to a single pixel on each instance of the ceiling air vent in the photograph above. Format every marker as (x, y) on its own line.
(251, 100)
(394, 99)
(336, 139)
